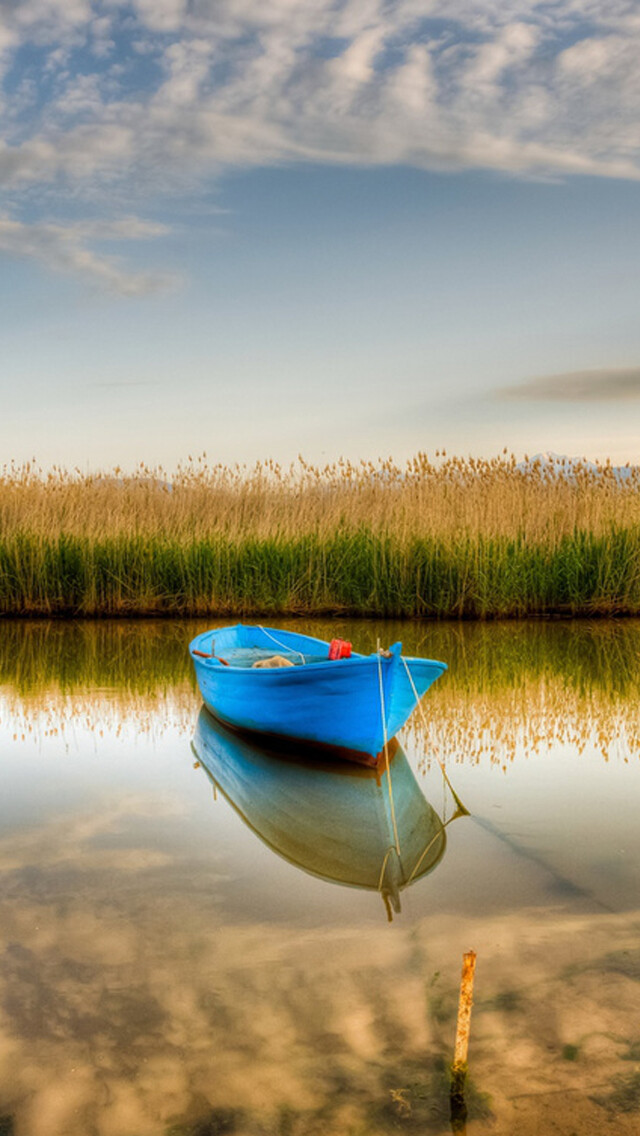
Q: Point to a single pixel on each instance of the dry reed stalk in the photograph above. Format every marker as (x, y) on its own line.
(444, 499)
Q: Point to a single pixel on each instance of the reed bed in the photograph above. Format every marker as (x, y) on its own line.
(448, 537)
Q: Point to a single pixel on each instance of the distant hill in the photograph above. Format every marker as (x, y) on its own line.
(560, 465)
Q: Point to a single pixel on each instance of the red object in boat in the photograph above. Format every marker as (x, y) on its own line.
(207, 655)
(339, 649)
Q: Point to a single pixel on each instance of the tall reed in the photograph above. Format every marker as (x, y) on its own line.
(448, 537)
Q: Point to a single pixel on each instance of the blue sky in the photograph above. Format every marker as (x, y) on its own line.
(329, 227)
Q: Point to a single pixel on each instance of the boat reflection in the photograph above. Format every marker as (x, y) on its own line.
(332, 819)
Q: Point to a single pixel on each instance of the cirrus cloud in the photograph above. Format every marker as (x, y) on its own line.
(65, 248)
(165, 94)
(610, 384)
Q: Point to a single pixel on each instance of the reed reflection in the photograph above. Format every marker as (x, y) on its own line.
(511, 688)
(331, 819)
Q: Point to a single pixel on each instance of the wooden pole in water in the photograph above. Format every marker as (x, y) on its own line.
(459, 1067)
(464, 1011)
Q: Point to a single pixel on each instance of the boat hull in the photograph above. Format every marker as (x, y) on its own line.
(351, 705)
(330, 820)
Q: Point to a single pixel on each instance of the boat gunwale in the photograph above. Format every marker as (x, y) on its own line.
(355, 659)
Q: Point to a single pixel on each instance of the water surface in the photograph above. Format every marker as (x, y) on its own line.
(198, 940)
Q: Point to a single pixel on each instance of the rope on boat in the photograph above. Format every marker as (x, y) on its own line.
(427, 849)
(461, 807)
(386, 756)
(461, 810)
(384, 868)
(279, 644)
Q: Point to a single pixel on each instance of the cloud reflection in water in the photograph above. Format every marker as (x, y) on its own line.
(150, 981)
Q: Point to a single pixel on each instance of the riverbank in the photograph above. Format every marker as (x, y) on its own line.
(459, 539)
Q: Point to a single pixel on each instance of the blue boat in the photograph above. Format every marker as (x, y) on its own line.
(330, 819)
(352, 705)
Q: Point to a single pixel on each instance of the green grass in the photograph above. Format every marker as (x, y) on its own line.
(352, 572)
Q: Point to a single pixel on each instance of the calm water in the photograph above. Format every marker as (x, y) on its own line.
(198, 937)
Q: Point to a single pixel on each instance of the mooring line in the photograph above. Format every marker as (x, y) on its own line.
(455, 796)
(386, 755)
(279, 644)
(384, 868)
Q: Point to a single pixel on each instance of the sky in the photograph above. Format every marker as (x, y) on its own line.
(326, 227)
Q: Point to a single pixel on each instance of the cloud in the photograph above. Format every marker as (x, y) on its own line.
(615, 384)
(157, 96)
(64, 248)
(520, 88)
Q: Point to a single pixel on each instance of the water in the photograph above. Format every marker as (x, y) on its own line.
(190, 947)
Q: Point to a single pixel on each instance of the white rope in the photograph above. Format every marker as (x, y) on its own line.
(279, 644)
(384, 867)
(386, 756)
(426, 731)
(427, 849)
